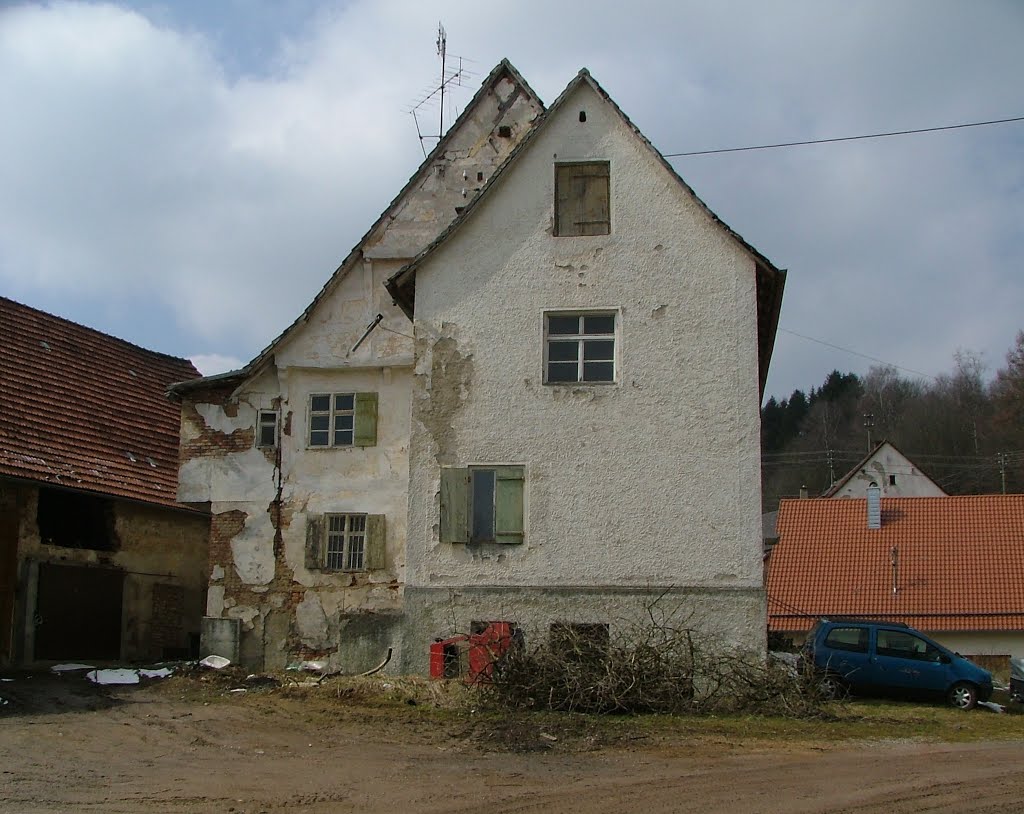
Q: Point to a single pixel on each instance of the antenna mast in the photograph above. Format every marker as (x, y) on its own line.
(436, 93)
(442, 48)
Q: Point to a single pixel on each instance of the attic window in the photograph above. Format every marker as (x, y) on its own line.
(505, 131)
(892, 480)
(582, 198)
(583, 115)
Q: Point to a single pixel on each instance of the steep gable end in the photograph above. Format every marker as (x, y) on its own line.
(498, 117)
(769, 280)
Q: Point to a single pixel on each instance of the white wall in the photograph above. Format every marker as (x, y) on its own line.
(653, 480)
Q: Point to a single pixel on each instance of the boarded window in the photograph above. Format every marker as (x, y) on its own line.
(345, 542)
(342, 420)
(482, 504)
(582, 199)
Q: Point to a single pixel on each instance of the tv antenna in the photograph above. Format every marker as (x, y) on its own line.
(451, 76)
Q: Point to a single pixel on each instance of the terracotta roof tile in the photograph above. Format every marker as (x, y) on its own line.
(959, 562)
(85, 410)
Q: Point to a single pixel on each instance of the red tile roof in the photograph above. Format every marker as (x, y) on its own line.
(84, 410)
(960, 562)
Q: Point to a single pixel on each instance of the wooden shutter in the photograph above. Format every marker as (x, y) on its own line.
(376, 542)
(582, 199)
(314, 541)
(593, 212)
(565, 210)
(365, 420)
(454, 505)
(508, 504)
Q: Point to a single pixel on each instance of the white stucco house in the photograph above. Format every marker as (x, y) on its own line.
(571, 430)
(591, 344)
(891, 471)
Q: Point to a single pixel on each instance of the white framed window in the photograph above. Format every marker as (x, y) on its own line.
(266, 428)
(342, 420)
(345, 541)
(345, 548)
(579, 347)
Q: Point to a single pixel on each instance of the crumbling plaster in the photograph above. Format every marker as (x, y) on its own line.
(262, 571)
(652, 480)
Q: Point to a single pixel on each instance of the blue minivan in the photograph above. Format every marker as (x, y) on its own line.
(862, 655)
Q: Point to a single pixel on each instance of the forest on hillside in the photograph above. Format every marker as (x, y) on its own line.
(964, 431)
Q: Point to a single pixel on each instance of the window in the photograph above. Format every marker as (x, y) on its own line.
(579, 348)
(482, 504)
(892, 480)
(345, 542)
(76, 520)
(582, 199)
(854, 639)
(266, 428)
(905, 646)
(343, 419)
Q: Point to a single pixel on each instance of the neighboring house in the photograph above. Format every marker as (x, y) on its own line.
(98, 560)
(583, 376)
(949, 566)
(890, 470)
(303, 454)
(591, 346)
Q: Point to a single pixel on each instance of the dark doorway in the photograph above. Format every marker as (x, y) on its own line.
(8, 580)
(78, 613)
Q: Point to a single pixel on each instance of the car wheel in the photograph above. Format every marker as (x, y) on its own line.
(963, 695)
(832, 687)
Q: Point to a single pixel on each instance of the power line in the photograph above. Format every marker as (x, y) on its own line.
(846, 138)
(858, 353)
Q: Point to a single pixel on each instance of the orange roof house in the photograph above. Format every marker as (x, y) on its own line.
(98, 560)
(950, 566)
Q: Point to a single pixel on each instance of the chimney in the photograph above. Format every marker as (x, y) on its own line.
(874, 507)
(803, 493)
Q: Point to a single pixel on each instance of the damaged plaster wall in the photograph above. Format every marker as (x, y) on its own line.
(651, 481)
(261, 505)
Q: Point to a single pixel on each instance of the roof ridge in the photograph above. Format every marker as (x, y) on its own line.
(504, 65)
(7, 301)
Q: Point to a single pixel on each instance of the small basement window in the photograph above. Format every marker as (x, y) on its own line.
(76, 520)
(582, 198)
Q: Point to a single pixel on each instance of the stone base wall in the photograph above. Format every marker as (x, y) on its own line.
(733, 618)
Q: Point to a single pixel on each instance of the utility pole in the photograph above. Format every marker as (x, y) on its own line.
(1001, 457)
(869, 422)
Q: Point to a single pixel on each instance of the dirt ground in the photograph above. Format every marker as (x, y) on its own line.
(180, 745)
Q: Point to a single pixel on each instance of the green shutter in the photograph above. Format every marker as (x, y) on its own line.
(376, 541)
(365, 420)
(508, 504)
(454, 505)
(314, 541)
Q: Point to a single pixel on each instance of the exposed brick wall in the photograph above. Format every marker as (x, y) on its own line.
(211, 443)
(167, 629)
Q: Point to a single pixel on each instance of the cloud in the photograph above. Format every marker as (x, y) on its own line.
(185, 181)
(210, 364)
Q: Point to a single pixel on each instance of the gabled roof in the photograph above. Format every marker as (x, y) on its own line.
(501, 70)
(836, 487)
(770, 280)
(958, 562)
(83, 410)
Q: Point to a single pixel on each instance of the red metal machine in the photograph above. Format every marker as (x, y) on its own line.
(472, 656)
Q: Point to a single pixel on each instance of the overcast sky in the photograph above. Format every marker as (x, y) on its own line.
(186, 174)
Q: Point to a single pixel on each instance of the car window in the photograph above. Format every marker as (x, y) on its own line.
(905, 646)
(854, 639)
